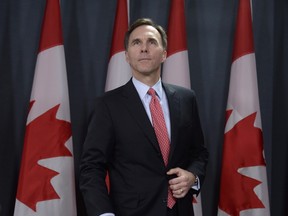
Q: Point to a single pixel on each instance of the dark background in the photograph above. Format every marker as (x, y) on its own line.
(87, 30)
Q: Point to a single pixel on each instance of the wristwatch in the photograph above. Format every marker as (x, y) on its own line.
(196, 180)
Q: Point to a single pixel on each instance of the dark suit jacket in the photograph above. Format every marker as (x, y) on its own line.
(121, 139)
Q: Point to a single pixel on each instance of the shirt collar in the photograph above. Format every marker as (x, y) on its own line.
(142, 88)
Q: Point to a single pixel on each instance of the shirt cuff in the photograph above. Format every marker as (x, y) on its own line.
(196, 185)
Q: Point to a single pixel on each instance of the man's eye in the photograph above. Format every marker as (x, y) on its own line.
(135, 42)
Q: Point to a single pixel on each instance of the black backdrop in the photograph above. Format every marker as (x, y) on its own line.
(87, 29)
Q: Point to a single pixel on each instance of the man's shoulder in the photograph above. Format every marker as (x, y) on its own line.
(178, 89)
(118, 92)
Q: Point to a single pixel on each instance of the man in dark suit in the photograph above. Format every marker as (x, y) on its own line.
(121, 139)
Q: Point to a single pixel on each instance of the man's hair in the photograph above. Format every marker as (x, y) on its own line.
(146, 21)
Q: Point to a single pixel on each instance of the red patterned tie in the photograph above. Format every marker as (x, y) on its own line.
(161, 134)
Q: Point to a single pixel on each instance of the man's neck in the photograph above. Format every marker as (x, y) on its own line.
(150, 80)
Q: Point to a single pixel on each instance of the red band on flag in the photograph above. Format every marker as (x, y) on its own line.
(51, 34)
(120, 27)
(243, 41)
(177, 28)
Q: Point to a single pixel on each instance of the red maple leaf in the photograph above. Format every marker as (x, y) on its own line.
(44, 138)
(243, 147)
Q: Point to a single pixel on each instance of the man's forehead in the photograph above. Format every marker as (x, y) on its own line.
(145, 31)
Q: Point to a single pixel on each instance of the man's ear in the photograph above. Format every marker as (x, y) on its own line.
(126, 57)
(164, 55)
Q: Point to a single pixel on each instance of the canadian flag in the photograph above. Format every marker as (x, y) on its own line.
(46, 181)
(176, 67)
(243, 186)
(119, 71)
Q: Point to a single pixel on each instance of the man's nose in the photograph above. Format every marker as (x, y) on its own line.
(144, 48)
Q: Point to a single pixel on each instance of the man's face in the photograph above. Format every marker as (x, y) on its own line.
(145, 52)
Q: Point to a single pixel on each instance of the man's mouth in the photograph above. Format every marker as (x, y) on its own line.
(144, 59)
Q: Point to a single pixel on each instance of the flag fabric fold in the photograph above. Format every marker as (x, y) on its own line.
(46, 181)
(243, 185)
(176, 66)
(119, 71)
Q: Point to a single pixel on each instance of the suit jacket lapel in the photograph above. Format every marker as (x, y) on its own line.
(174, 110)
(138, 112)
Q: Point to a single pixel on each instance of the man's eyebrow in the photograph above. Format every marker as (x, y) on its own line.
(135, 39)
(152, 39)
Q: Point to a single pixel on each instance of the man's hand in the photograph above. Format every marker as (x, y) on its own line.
(181, 184)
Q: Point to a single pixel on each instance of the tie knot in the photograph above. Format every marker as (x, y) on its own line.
(151, 92)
